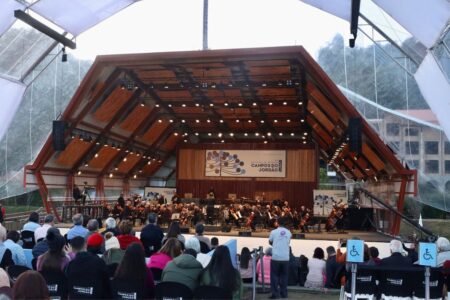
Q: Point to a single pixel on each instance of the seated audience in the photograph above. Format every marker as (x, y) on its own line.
(214, 243)
(374, 259)
(126, 236)
(443, 248)
(33, 222)
(266, 264)
(42, 247)
(246, 265)
(18, 255)
(396, 259)
(92, 226)
(151, 235)
(55, 259)
(412, 251)
(5, 284)
(30, 285)
(77, 229)
(332, 267)
(41, 232)
(170, 250)
(199, 229)
(90, 268)
(303, 271)
(76, 245)
(294, 266)
(174, 231)
(194, 243)
(221, 273)
(316, 267)
(113, 254)
(111, 224)
(5, 254)
(95, 243)
(132, 270)
(184, 269)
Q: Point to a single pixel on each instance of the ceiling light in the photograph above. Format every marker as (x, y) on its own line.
(300, 103)
(79, 173)
(111, 175)
(275, 121)
(142, 104)
(246, 134)
(208, 120)
(262, 121)
(97, 143)
(219, 134)
(270, 103)
(166, 86)
(197, 121)
(211, 104)
(196, 133)
(280, 134)
(149, 162)
(302, 120)
(183, 105)
(288, 120)
(169, 105)
(125, 159)
(159, 121)
(134, 176)
(304, 137)
(269, 134)
(226, 103)
(185, 141)
(183, 121)
(171, 121)
(175, 134)
(305, 133)
(231, 134)
(249, 121)
(265, 142)
(222, 141)
(221, 121)
(256, 134)
(197, 104)
(240, 104)
(284, 103)
(209, 133)
(86, 164)
(254, 104)
(304, 142)
(96, 155)
(156, 105)
(264, 84)
(292, 134)
(116, 168)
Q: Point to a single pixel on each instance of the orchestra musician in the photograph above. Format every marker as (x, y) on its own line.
(304, 215)
(121, 200)
(76, 194)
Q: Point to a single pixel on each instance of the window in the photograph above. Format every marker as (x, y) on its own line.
(431, 147)
(411, 148)
(412, 131)
(393, 129)
(413, 164)
(447, 167)
(394, 145)
(447, 147)
(432, 166)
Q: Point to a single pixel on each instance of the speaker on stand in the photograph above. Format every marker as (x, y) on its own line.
(355, 134)
(59, 129)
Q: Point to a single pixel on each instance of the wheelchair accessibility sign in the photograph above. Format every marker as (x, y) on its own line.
(355, 251)
(427, 254)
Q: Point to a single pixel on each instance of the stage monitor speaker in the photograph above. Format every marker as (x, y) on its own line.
(355, 134)
(226, 228)
(184, 229)
(298, 236)
(245, 233)
(59, 128)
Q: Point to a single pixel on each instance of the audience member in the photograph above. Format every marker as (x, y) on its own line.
(111, 224)
(396, 259)
(246, 265)
(266, 265)
(279, 239)
(294, 266)
(151, 235)
(332, 268)
(18, 255)
(113, 254)
(126, 236)
(5, 288)
(94, 243)
(170, 250)
(5, 254)
(4, 278)
(92, 226)
(220, 272)
(42, 247)
(443, 248)
(174, 231)
(88, 267)
(199, 229)
(30, 285)
(55, 259)
(184, 269)
(41, 232)
(374, 259)
(132, 270)
(194, 243)
(214, 243)
(303, 272)
(33, 222)
(76, 245)
(411, 251)
(316, 267)
(77, 229)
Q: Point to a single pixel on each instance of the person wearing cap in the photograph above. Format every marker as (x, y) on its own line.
(94, 243)
(18, 255)
(55, 255)
(41, 247)
(199, 229)
(77, 229)
(194, 243)
(113, 253)
(397, 259)
(151, 235)
(41, 232)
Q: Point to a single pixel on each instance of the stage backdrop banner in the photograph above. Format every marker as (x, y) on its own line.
(324, 200)
(152, 193)
(245, 163)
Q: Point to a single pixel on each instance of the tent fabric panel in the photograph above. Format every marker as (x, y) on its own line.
(7, 8)
(76, 16)
(341, 9)
(435, 89)
(12, 93)
(426, 20)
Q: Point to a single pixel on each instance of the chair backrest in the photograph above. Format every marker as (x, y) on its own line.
(156, 272)
(204, 247)
(112, 269)
(15, 270)
(27, 238)
(87, 287)
(366, 277)
(169, 289)
(397, 282)
(56, 283)
(211, 292)
(128, 290)
(436, 284)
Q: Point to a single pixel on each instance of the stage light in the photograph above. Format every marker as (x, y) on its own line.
(270, 103)
(125, 159)
(284, 103)
(64, 55)
(134, 176)
(96, 155)
(226, 103)
(254, 104)
(79, 173)
(111, 175)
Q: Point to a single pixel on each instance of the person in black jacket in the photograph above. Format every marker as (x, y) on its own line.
(332, 267)
(294, 267)
(396, 259)
(151, 235)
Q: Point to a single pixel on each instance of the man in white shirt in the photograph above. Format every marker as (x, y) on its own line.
(279, 265)
(41, 232)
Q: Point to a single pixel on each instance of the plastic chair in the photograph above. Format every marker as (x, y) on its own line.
(436, 284)
(172, 290)
(27, 238)
(156, 273)
(397, 282)
(87, 287)
(128, 290)
(211, 292)
(366, 286)
(204, 247)
(15, 270)
(56, 283)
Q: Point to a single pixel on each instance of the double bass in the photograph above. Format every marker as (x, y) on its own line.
(337, 213)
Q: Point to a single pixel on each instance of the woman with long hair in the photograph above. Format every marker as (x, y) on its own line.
(219, 272)
(245, 265)
(316, 267)
(30, 285)
(174, 231)
(55, 259)
(132, 269)
(170, 250)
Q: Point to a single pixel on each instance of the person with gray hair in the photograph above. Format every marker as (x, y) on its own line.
(41, 232)
(111, 226)
(77, 229)
(443, 248)
(397, 259)
(194, 243)
(5, 258)
(92, 226)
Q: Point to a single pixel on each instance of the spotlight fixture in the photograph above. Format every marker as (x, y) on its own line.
(79, 173)
(254, 104)
(226, 103)
(134, 176)
(270, 103)
(86, 164)
(240, 104)
(96, 155)
(197, 104)
(64, 55)
(111, 175)
(211, 104)
(246, 134)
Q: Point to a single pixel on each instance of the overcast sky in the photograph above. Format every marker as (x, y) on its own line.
(176, 25)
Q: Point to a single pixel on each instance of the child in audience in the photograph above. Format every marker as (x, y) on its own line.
(266, 261)
(246, 266)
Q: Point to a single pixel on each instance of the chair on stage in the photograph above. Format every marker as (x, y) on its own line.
(56, 283)
(172, 290)
(27, 238)
(366, 285)
(436, 284)
(211, 292)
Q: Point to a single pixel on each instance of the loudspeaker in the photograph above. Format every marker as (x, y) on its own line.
(245, 233)
(355, 134)
(59, 128)
(226, 228)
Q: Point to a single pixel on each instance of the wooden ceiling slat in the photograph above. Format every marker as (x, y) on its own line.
(373, 158)
(150, 169)
(281, 109)
(171, 142)
(316, 127)
(105, 155)
(155, 131)
(268, 62)
(276, 92)
(188, 110)
(272, 70)
(173, 95)
(112, 104)
(211, 73)
(323, 102)
(162, 74)
(126, 165)
(320, 116)
(73, 152)
(135, 118)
